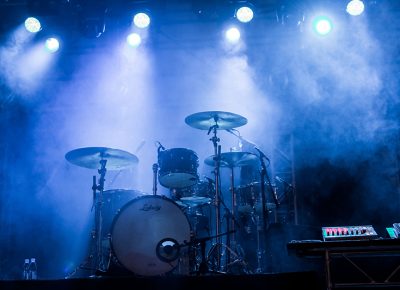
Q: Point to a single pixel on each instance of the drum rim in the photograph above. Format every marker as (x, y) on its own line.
(179, 148)
(118, 190)
(162, 178)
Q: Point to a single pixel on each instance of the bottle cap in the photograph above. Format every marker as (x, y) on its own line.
(33, 259)
(26, 260)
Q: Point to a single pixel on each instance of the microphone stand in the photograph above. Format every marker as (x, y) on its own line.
(265, 221)
(155, 170)
(263, 173)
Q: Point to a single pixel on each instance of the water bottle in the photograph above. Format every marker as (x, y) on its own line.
(25, 274)
(33, 269)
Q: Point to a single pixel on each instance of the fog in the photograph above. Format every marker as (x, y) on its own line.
(325, 106)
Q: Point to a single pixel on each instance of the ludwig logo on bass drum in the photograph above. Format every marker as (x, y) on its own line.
(148, 207)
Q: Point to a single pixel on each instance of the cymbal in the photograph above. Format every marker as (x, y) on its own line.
(233, 159)
(224, 120)
(194, 201)
(90, 157)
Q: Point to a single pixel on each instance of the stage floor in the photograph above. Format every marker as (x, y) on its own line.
(279, 281)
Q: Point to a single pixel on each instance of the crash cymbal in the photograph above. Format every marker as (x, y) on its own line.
(233, 159)
(224, 120)
(90, 157)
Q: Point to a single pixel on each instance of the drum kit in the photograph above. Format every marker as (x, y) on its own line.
(151, 234)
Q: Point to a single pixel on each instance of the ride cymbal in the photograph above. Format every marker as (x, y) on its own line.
(223, 120)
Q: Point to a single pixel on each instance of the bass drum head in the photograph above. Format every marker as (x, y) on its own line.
(139, 228)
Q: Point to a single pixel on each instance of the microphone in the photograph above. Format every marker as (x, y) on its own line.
(168, 250)
(261, 153)
(159, 144)
(160, 147)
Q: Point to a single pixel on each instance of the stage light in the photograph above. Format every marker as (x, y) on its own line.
(134, 39)
(355, 7)
(232, 34)
(322, 25)
(52, 44)
(244, 14)
(141, 20)
(32, 24)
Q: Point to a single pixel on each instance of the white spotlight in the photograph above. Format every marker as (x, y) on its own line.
(141, 20)
(32, 24)
(322, 25)
(244, 14)
(52, 44)
(134, 39)
(355, 7)
(232, 34)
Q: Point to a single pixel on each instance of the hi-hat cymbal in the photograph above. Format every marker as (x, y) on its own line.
(233, 159)
(224, 120)
(90, 157)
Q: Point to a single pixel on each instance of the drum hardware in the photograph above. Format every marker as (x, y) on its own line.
(232, 160)
(265, 219)
(203, 265)
(212, 121)
(237, 261)
(265, 207)
(93, 158)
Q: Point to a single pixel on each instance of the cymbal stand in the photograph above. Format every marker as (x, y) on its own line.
(231, 239)
(97, 252)
(203, 266)
(217, 159)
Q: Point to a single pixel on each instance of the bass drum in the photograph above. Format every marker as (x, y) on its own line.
(146, 235)
(113, 201)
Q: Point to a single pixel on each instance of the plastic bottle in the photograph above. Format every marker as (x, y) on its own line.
(33, 269)
(26, 274)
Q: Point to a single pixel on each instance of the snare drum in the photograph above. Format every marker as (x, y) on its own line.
(147, 234)
(199, 194)
(178, 168)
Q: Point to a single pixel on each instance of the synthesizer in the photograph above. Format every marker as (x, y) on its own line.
(348, 233)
